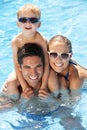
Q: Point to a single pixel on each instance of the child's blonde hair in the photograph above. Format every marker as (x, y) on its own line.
(63, 39)
(29, 8)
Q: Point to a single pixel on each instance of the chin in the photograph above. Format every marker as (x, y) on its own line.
(33, 83)
(57, 70)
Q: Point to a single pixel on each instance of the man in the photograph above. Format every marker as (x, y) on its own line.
(31, 64)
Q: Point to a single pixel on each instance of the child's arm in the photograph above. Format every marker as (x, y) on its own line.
(18, 72)
(46, 69)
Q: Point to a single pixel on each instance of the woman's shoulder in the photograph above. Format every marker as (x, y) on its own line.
(78, 70)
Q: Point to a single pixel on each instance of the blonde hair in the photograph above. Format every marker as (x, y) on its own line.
(29, 8)
(61, 38)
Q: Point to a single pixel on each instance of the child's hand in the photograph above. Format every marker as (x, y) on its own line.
(43, 93)
(27, 93)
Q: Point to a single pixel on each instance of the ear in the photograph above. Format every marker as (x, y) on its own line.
(71, 55)
(19, 67)
(18, 24)
(39, 24)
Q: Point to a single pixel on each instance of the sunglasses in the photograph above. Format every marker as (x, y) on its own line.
(24, 20)
(54, 55)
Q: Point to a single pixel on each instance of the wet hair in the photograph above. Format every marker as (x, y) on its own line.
(29, 8)
(30, 49)
(62, 39)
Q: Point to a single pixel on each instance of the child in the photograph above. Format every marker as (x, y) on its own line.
(28, 21)
(65, 74)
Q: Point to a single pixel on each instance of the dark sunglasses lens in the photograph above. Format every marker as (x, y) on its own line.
(34, 20)
(23, 20)
(64, 55)
(54, 55)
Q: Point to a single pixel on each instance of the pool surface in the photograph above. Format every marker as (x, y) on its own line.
(64, 17)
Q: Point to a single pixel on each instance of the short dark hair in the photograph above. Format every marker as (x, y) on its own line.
(30, 49)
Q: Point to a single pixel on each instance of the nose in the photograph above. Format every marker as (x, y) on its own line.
(33, 71)
(28, 21)
(58, 58)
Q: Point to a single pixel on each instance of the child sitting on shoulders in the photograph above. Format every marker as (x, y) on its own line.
(28, 21)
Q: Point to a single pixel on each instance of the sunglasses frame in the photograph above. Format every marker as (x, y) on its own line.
(25, 19)
(59, 55)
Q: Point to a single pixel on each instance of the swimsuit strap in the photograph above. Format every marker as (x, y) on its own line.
(72, 62)
(67, 75)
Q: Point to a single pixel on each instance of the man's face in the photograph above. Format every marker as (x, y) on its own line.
(32, 70)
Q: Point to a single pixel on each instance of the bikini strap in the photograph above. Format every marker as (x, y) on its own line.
(72, 62)
(67, 76)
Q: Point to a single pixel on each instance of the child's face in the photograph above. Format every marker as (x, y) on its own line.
(59, 56)
(27, 26)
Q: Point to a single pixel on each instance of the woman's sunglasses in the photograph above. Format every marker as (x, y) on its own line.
(54, 55)
(24, 20)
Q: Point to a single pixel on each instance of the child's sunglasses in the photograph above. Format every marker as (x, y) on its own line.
(54, 55)
(32, 20)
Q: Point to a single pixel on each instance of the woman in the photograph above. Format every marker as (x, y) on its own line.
(65, 73)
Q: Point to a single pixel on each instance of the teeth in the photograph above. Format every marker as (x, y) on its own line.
(28, 27)
(58, 65)
(33, 77)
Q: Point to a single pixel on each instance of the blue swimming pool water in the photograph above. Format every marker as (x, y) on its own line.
(58, 17)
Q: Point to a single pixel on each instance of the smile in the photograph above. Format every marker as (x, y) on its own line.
(33, 77)
(28, 28)
(58, 65)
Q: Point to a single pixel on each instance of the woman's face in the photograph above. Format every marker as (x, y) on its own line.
(59, 62)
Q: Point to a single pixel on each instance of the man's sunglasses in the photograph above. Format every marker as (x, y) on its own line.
(24, 20)
(54, 55)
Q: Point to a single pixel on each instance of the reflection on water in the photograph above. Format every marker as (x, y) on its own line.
(36, 105)
(50, 113)
(44, 114)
